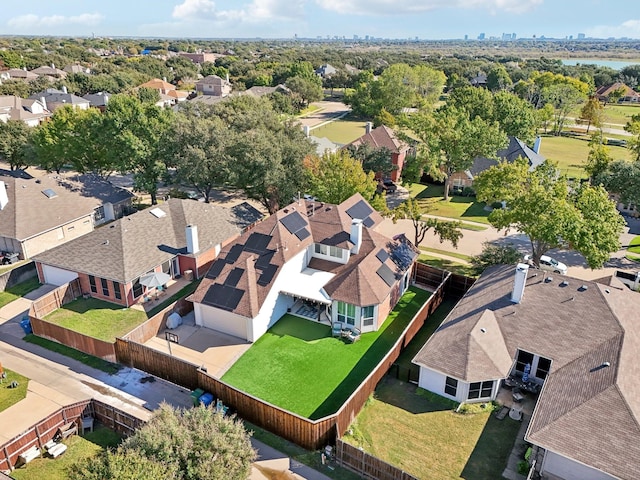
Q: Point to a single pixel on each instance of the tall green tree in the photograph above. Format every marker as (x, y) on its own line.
(122, 464)
(14, 143)
(592, 112)
(622, 178)
(541, 205)
(498, 78)
(599, 157)
(450, 141)
(334, 177)
(445, 230)
(308, 90)
(373, 159)
(564, 97)
(633, 127)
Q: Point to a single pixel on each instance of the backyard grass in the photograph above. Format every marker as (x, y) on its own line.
(17, 291)
(633, 250)
(85, 358)
(342, 131)
(449, 265)
(461, 256)
(97, 319)
(571, 154)
(11, 396)
(298, 366)
(78, 448)
(420, 433)
(431, 200)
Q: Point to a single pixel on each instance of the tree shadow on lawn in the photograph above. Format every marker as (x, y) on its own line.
(83, 305)
(410, 397)
(300, 328)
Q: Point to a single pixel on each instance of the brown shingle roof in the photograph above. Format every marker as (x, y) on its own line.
(30, 212)
(131, 246)
(583, 405)
(380, 137)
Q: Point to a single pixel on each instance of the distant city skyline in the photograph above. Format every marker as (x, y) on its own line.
(389, 19)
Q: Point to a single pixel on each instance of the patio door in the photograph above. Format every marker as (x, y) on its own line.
(175, 267)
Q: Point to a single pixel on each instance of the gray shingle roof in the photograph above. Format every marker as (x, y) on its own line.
(29, 212)
(516, 148)
(583, 405)
(131, 246)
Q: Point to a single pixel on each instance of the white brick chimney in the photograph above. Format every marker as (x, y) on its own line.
(191, 233)
(4, 198)
(356, 235)
(367, 127)
(519, 282)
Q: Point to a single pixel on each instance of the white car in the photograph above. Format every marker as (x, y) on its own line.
(548, 263)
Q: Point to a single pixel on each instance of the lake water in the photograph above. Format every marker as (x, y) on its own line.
(615, 64)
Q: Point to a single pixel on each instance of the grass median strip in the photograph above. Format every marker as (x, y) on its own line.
(85, 358)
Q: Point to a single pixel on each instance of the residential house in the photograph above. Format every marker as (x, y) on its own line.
(385, 137)
(169, 94)
(162, 86)
(76, 68)
(479, 80)
(320, 261)
(577, 339)
(214, 85)
(50, 71)
(31, 112)
(201, 57)
(53, 99)
(19, 74)
(98, 100)
(179, 237)
(516, 149)
(629, 94)
(37, 214)
(324, 145)
(326, 70)
(261, 91)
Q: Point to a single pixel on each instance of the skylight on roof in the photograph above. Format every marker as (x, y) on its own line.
(158, 213)
(49, 193)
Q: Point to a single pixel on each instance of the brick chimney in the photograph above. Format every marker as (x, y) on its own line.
(356, 235)
(191, 232)
(519, 282)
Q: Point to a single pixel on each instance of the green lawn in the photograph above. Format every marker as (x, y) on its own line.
(633, 251)
(17, 291)
(431, 200)
(85, 358)
(97, 319)
(619, 114)
(420, 433)
(449, 265)
(343, 131)
(571, 154)
(297, 353)
(78, 448)
(11, 396)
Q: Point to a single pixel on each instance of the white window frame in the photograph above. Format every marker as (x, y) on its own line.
(367, 319)
(347, 313)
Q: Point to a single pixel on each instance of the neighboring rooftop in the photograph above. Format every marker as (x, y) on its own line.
(380, 137)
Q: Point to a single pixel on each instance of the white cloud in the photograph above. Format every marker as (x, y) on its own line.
(629, 28)
(390, 7)
(256, 11)
(30, 21)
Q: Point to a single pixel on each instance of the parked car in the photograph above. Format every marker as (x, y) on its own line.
(387, 186)
(550, 264)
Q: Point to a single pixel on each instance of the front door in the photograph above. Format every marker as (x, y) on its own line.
(175, 267)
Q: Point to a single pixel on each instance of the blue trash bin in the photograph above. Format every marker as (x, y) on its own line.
(26, 325)
(206, 399)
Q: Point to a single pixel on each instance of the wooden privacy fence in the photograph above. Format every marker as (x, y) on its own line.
(53, 300)
(432, 277)
(45, 429)
(151, 327)
(367, 465)
(17, 275)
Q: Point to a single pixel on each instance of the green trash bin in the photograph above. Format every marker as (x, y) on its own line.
(195, 396)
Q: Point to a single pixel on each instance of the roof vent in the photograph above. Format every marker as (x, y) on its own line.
(606, 364)
(564, 283)
(582, 288)
(49, 193)
(483, 330)
(606, 290)
(106, 242)
(548, 279)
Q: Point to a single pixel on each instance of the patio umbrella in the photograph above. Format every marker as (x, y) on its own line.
(154, 279)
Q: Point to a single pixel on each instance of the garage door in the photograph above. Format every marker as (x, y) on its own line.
(57, 276)
(225, 322)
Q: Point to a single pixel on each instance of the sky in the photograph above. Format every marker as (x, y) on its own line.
(425, 19)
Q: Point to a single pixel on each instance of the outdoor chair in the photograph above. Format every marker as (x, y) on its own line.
(336, 329)
(353, 335)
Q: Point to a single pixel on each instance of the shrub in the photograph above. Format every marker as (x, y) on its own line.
(496, 205)
(523, 467)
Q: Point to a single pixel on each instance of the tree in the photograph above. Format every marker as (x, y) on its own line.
(308, 90)
(148, 95)
(516, 117)
(373, 159)
(599, 157)
(334, 177)
(541, 205)
(615, 95)
(14, 141)
(188, 444)
(445, 230)
(633, 127)
(564, 97)
(498, 78)
(450, 141)
(495, 254)
(592, 112)
(623, 179)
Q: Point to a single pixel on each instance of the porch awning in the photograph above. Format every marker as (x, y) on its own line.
(308, 285)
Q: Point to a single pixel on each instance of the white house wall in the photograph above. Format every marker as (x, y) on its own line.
(276, 304)
(436, 381)
(568, 469)
(221, 320)
(57, 276)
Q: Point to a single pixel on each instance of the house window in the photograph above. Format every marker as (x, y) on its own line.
(480, 389)
(451, 386)
(367, 315)
(346, 313)
(137, 288)
(92, 284)
(523, 359)
(116, 290)
(98, 213)
(544, 364)
(105, 287)
(330, 251)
